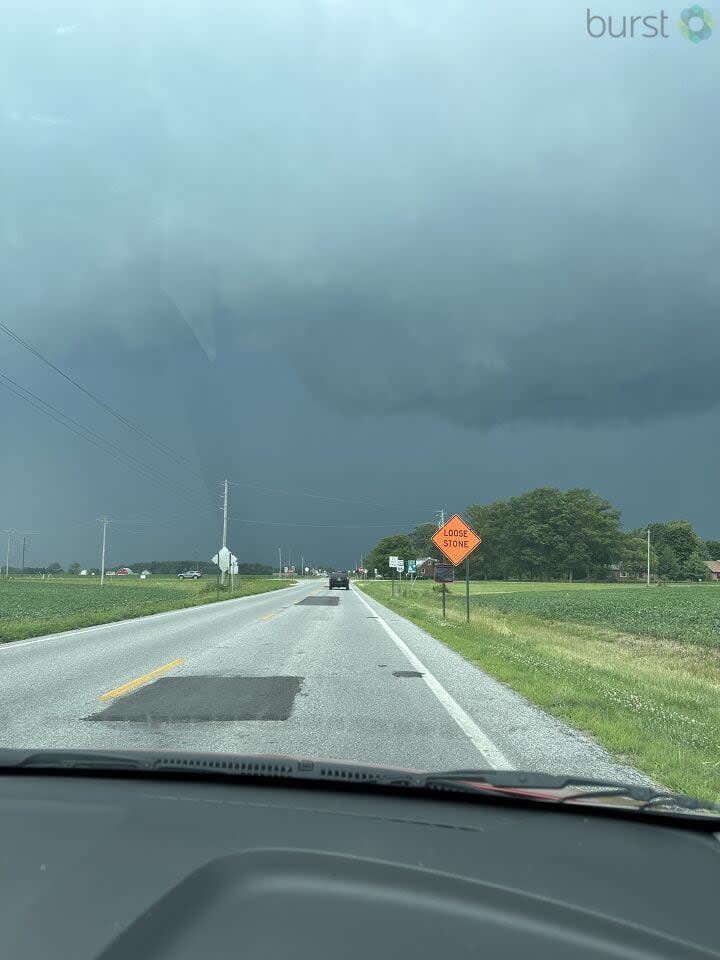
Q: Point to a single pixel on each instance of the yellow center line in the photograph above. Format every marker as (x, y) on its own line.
(267, 616)
(139, 681)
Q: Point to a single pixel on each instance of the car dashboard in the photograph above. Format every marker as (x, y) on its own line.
(121, 867)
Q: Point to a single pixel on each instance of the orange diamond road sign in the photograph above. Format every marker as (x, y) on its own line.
(456, 540)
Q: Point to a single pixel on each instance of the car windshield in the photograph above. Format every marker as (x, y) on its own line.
(359, 383)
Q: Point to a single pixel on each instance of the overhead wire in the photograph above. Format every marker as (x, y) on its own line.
(314, 496)
(113, 450)
(92, 437)
(130, 424)
(338, 526)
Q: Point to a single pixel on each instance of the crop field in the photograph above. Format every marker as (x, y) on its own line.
(687, 613)
(32, 607)
(635, 667)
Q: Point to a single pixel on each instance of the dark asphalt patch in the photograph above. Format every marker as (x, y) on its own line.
(206, 699)
(406, 673)
(319, 602)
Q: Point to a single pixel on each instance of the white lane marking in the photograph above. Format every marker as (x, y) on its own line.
(66, 634)
(494, 757)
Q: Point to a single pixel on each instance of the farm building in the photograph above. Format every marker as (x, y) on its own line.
(425, 567)
(713, 569)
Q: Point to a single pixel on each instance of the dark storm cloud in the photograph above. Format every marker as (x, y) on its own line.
(506, 225)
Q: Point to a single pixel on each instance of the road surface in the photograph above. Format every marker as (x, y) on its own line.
(281, 672)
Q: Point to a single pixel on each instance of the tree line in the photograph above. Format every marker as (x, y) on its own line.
(152, 566)
(548, 534)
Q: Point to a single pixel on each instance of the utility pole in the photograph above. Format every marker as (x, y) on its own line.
(225, 523)
(104, 522)
(302, 566)
(10, 534)
(280, 562)
(23, 557)
(648, 558)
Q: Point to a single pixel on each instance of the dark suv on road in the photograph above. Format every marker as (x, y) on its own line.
(339, 580)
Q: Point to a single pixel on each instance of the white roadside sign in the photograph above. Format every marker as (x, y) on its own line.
(223, 558)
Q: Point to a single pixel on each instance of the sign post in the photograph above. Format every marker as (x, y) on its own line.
(467, 590)
(457, 540)
(226, 563)
(444, 573)
(393, 565)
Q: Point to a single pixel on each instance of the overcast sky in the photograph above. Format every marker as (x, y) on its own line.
(366, 258)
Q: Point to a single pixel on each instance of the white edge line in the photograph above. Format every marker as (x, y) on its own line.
(493, 756)
(15, 644)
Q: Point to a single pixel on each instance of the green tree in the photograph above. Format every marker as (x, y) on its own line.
(545, 533)
(490, 560)
(679, 536)
(421, 542)
(397, 545)
(668, 565)
(712, 550)
(74, 568)
(590, 533)
(694, 567)
(55, 568)
(633, 555)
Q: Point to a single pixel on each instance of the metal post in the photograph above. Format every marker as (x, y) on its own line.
(280, 562)
(467, 589)
(392, 581)
(23, 557)
(648, 558)
(102, 560)
(443, 596)
(225, 523)
(7, 554)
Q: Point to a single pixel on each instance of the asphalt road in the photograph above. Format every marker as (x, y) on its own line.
(275, 674)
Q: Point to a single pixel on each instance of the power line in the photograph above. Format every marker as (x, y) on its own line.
(163, 448)
(314, 496)
(90, 436)
(338, 526)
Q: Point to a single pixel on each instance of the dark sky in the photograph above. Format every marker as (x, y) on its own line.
(366, 259)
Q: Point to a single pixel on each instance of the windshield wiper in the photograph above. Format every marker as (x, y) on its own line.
(483, 784)
(565, 789)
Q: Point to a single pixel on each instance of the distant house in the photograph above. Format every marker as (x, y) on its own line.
(713, 569)
(124, 572)
(617, 572)
(425, 567)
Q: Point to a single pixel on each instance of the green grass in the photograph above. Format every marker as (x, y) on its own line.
(646, 688)
(689, 613)
(33, 607)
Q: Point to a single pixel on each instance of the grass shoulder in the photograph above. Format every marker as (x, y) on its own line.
(35, 607)
(654, 702)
